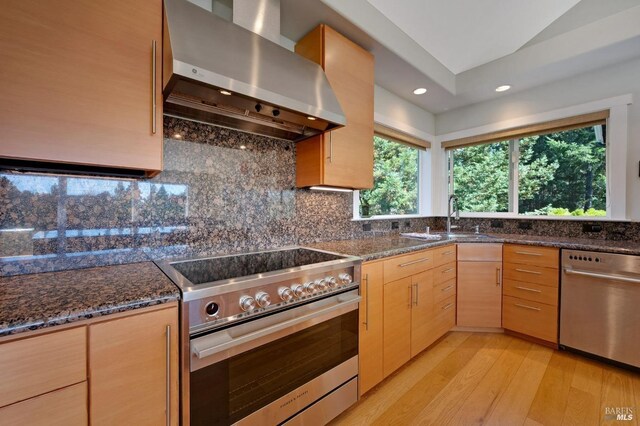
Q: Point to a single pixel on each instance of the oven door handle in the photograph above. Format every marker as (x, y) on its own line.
(213, 344)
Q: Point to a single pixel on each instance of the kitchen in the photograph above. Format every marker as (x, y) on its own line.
(198, 223)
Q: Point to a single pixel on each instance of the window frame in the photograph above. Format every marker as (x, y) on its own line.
(424, 184)
(514, 182)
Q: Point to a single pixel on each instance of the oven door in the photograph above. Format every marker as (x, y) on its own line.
(268, 370)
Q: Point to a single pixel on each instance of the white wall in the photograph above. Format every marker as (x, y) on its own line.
(393, 111)
(620, 79)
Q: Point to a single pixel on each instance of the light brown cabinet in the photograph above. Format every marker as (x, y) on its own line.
(419, 304)
(78, 83)
(397, 324)
(110, 370)
(133, 369)
(479, 285)
(343, 157)
(62, 407)
(370, 337)
(531, 283)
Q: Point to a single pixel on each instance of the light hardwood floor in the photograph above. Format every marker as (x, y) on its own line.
(495, 379)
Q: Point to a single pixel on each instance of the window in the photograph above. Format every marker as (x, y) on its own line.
(553, 173)
(396, 179)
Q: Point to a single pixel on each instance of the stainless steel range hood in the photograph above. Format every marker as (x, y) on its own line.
(217, 72)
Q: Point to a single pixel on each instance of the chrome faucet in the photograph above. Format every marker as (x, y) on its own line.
(452, 207)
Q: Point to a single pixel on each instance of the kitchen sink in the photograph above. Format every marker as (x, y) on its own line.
(462, 235)
(435, 236)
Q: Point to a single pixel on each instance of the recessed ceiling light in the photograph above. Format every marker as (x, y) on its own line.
(311, 118)
(177, 136)
(243, 147)
(503, 88)
(420, 91)
(225, 92)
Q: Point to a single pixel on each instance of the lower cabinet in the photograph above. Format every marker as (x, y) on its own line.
(101, 372)
(63, 407)
(397, 324)
(479, 285)
(133, 370)
(531, 291)
(370, 337)
(419, 305)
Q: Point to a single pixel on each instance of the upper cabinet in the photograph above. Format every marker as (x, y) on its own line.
(342, 157)
(81, 84)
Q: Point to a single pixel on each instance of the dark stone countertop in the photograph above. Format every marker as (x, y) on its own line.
(379, 247)
(30, 302)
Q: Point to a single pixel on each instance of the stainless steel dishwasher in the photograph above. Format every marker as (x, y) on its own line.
(600, 305)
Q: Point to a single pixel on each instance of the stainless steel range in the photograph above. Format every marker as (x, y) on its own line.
(268, 337)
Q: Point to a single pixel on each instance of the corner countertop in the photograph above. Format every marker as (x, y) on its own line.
(30, 302)
(379, 247)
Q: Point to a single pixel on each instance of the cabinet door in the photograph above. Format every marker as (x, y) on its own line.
(128, 360)
(479, 294)
(421, 312)
(77, 82)
(370, 353)
(397, 324)
(349, 150)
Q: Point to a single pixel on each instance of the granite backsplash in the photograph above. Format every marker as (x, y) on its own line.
(221, 191)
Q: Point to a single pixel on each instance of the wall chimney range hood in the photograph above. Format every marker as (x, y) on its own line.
(220, 73)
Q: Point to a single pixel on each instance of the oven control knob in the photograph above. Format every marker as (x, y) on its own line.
(285, 293)
(331, 282)
(320, 285)
(263, 299)
(344, 278)
(310, 287)
(247, 303)
(298, 290)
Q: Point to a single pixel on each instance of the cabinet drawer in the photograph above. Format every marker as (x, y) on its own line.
(404, 266)
(443, 255)
(445, 305)
(531, 274)
(444, 273)
(480, 252)
(531, 255)
(444, 290)
(531, 291)
(64, 407)
(40, 364)
(530, 318)
(445, 319)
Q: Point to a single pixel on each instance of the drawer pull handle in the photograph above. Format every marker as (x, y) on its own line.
(168, 376)
(447, 306)
(446, 288)
(529, 253)
(498, 277)
(424, 259)
(526, 271)
(533, 290)
(366, 289)
(446, 271)
(447, 253)
(410, 295)
(527, 307)
(153, 87)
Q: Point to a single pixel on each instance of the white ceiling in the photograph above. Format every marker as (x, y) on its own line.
(464, 34)
(592, 34)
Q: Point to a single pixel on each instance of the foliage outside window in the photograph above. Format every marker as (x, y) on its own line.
(556, 174)
(395, 180)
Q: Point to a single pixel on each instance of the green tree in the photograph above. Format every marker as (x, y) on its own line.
(395, 183)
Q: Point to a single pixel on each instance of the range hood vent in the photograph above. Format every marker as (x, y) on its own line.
(220, 73)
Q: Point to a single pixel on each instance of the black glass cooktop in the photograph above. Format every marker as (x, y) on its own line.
(223, 268)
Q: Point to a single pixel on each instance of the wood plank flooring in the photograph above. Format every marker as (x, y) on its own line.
(496, 379)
